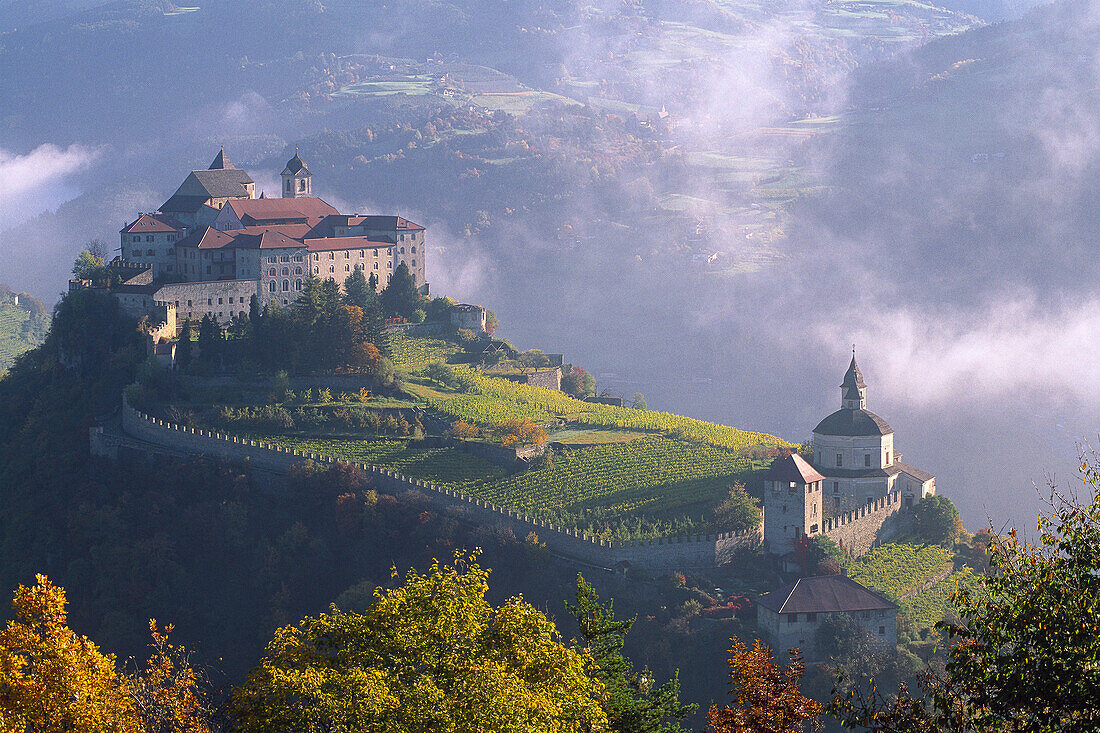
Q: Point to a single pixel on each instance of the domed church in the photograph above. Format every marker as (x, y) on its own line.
(854, 451)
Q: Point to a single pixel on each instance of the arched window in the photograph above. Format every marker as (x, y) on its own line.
(272, 272)
(297, 271)
(289, 186)
(302, 185)
(286, 271)
(297, 284)
(286, 285)
(331, 268)
(347, 268)
(150, 252)
(271, 286)
(346, 254)
(414, 263)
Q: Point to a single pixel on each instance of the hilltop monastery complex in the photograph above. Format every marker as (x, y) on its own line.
(213, 245)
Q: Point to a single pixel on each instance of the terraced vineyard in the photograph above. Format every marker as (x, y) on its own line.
(654, 475)
(441, 466)
(500, 399)
(899, 569)
(411, 354)
(13, 339)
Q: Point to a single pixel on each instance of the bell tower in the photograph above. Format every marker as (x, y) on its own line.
(296, 179)
(853, 391)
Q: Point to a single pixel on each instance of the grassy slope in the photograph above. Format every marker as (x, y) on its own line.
(14, 336)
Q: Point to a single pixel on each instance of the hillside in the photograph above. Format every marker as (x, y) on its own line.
(23, 325)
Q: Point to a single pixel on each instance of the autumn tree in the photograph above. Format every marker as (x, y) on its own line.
(632, 701)
(53, 680)
(517, 432)
(578, 383)
(937, 521)
(464, 430)
(431, 654)
(766, 696)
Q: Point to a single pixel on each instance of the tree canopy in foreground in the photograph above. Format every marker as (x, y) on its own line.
(430, 655)
(1025, 655)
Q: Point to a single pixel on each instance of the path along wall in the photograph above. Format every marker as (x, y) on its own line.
(657, 555)
(861, 529)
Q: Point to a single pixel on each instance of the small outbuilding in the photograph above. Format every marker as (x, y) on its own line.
(791, 616)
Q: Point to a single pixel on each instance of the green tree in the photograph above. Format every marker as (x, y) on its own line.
(430, 655)
(210, 339)
(372, 282)
(358, 292)
(184, 353)
(400, 297)
(632, 703)
(638, 402)
(937, 521)
(739, 511)
(534, 359)
(1024, 655)
(578, 383)
(90, 266)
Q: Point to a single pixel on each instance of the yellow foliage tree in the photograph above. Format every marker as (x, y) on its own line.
(55, 681)
(766, 698)
(51, 679)
(431, 655)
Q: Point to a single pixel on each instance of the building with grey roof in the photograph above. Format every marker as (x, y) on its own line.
(791, 616)
(853, 448)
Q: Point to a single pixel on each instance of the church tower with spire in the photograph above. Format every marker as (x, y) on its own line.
(854, 451)
(296, 179)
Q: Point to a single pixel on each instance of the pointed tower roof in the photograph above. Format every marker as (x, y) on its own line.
(792, 468)
(296, 166)
(853, 379)
(221, 161)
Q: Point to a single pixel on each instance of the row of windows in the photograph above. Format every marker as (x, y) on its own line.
(272, 286)
(866, 459)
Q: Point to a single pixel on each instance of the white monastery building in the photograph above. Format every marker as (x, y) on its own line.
(212, 246)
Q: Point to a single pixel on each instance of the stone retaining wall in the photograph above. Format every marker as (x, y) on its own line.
(861, 529)
(657, 555)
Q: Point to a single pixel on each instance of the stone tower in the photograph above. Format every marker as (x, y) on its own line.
(296, 179)
(792, 503)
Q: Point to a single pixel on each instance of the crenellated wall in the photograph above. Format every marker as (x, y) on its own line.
(861, 529)
(655, 555)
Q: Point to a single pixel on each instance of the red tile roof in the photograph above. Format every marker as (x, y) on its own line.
(207, 238)
(261, 210)
(152, 223)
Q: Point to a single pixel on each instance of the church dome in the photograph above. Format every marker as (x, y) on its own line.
(851, 423)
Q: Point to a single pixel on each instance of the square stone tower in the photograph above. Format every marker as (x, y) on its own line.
(792, 503)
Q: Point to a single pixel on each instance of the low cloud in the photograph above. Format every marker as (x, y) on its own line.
(40, 179)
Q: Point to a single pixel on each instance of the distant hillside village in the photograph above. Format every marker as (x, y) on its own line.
(213, 245)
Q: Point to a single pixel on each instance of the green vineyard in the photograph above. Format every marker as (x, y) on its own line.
(501, 399)
(898, 570)
(447, 467)
(411, 354)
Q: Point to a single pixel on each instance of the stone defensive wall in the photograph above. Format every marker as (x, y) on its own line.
(654, 555)
(861, 529)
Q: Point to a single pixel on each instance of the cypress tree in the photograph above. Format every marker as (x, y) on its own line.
(184, 353)
(400, 298)
(633, 704)
(357, 291)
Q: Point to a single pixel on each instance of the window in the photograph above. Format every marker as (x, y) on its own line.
(332, 255)
(272, 272)
(316, 270)
(150, 252)
(375, 253)
(813, 530)
(839, 460)
(297, 258)
(414, 263)
(271, 286)
(361, 253)
(402, 250)
(189, 304)
(376, 265)
(793, 618)
(208, 269)
(331, 269)
(882, 631)
(887, 458)
(171, 251)
(347, 268)
(284, 258)
(148, 237)
(297, 271)
(231, 300)
(867, 460)
(297, 284)
(836, 503)
(272, 259)
(836, 487)
(286, 285)
(286, 271)
(210, 301)
(346, 254)
(220, 301)
(315, 256)
(414, 250)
